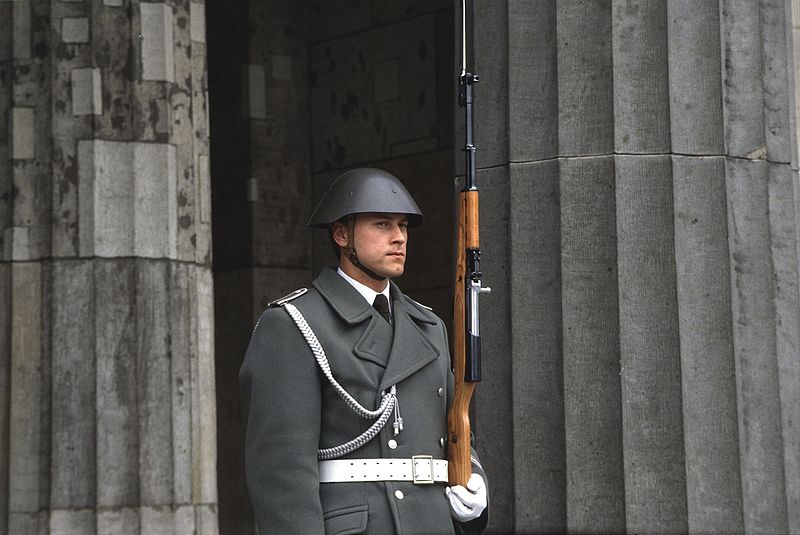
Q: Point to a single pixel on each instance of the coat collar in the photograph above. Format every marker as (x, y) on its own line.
(342, 297)
(411, 348)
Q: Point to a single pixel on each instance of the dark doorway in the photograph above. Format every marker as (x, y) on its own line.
(299, 92)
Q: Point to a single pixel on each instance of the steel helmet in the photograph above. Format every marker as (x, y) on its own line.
(365, 190)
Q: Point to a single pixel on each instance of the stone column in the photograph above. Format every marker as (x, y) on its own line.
(641, 221)
(107, 417)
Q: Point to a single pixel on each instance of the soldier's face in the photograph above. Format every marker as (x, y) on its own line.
(380, 242)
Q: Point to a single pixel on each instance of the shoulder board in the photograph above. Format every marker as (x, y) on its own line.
(286, 298)
(426, 307)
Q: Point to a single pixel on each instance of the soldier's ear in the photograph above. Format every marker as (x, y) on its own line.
(339, 234)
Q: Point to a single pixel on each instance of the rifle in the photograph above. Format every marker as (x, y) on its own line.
(466, 328)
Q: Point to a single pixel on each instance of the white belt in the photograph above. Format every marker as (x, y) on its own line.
(421, 469)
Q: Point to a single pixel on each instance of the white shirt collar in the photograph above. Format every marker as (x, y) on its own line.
(367, 292)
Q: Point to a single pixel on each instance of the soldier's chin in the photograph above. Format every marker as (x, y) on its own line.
(392, 272)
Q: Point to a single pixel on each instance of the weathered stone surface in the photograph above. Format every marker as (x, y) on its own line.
(590, 315)
(387, 12)
(95, 339)
(533, 81)
(494, 400)
(641, 82)
(491, 94)
(128, 199)
(183, 347)
(114, 53)
(653, 445)
(157, 520)
(742, 88)
(204, 466)
(122, 521)
(343, 103)
(197, 16)
(188, 135)
(695, 84)
(26, 435)
(6, 297)
(775, 80)
(22, 130)
(74, 61)
(585, 85)
(21, 28)
(86, 92)
(783, 221)
(793, 68)
(185, 520)
(6, 43)
(31, 194)
(17, 243)
(256, 97)
(158, 48)
(75, 29)
(155, 199)
(537, 359)
(27, 523)
(330, 19)
(154, 390)
(754, 336)
(206, 520)
(713, 489)
(72, 521)
(74, 392)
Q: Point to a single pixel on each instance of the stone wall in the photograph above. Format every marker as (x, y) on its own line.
(639, 201)
(107, 418)
(639, 165)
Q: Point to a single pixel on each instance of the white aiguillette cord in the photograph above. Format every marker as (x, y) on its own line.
(388, 402)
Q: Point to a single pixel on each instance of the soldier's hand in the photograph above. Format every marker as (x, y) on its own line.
(467, 503)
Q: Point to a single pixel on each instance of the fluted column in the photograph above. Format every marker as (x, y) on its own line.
(644, 242)
(107, 417)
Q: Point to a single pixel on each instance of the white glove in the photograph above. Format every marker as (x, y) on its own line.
(467, 503)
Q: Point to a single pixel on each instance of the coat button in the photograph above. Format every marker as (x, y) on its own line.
(441, 442)
(392, 444)
(398, 494)
(441, 392)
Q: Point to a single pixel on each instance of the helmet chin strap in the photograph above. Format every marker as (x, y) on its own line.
(350, 251)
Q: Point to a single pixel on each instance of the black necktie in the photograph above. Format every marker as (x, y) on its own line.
(381, 304)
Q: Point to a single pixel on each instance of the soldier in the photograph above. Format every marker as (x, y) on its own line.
(347, 402)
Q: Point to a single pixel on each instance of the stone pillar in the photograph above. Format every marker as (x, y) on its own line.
(107, 413)
(641, 216)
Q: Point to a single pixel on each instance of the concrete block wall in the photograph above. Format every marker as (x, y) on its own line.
(107, 411)
(641, 218)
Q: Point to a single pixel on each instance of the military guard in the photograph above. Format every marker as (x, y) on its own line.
(348, 384)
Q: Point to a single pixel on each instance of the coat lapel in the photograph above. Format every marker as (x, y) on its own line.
(342, 297)
(411, 349)
(374, 343)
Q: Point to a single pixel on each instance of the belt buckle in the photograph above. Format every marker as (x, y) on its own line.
(422, 478)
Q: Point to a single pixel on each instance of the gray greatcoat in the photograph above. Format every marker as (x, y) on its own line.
(293, 411)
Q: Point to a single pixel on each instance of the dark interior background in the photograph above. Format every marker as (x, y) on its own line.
(300, 92)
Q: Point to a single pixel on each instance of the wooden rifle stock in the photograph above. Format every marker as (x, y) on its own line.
(458, 425)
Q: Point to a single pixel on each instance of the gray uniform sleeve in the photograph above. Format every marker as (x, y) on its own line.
(281, 385)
